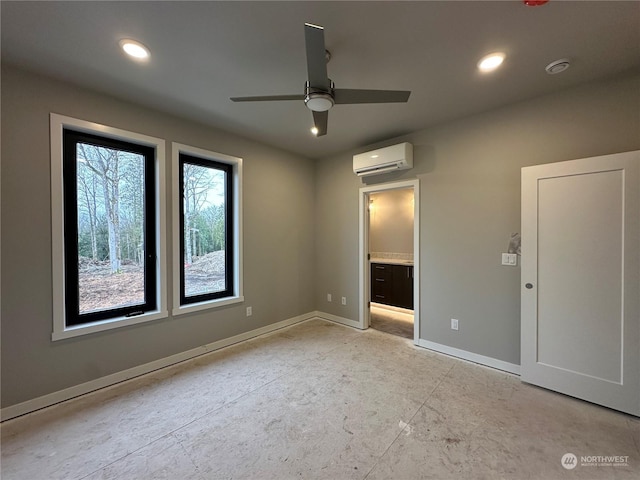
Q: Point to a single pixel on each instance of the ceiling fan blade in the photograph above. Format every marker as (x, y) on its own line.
(348, 95)
(320, 122)
(316, 56)
(267, 98)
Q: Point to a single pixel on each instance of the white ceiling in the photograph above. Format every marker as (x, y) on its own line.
(202, 53)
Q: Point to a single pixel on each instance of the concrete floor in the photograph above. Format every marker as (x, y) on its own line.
(320, 401)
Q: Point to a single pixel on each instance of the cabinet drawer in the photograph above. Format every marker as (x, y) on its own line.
(381, 272)
(381, 291)
(381, 283)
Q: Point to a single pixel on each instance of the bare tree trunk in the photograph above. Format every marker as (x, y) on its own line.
(187, 234)
(113, 226)
(90, 199)
(94, 220)
(115, 220)
(106, 165)
(112, 202)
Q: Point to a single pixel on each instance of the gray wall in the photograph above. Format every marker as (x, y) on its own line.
(279, 242)
(391, 221)
(469, 172)
(298, 214)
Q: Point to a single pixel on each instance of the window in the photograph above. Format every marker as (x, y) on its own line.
(106, 210)
(109, 243)
(206, 240)
(207, 213)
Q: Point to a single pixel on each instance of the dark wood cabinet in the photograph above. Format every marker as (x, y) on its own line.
(392, 284)
(381, 283)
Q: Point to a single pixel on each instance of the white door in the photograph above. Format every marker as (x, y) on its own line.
(581, 279)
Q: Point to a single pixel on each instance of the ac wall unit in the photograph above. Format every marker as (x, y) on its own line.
(383, 160)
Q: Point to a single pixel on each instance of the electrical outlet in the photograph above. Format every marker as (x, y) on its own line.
(249, 311)
(328, 297)
(454, 324)
(344, 300)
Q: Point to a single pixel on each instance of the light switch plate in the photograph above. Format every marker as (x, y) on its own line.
(510, 259)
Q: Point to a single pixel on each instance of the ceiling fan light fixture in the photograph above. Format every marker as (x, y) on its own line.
(314, 130)
(319, 102)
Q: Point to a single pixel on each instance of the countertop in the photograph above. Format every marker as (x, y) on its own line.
(392, 261)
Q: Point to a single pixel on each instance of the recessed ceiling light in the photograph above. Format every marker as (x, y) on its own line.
(314, 130)
(134, 49)
(490, 62)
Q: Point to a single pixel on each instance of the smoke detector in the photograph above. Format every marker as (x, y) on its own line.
(558, 66)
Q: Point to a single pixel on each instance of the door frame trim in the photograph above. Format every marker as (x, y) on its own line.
(363, 250)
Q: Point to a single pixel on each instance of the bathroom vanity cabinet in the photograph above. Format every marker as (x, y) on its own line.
(392, 284)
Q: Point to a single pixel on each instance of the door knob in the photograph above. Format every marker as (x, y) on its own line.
(528, 285)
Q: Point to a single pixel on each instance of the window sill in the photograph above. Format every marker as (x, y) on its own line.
(110, 324)
(208, 305)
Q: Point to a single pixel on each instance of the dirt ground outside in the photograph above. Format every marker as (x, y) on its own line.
(100, 289)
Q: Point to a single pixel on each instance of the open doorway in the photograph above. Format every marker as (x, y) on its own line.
(389, 258)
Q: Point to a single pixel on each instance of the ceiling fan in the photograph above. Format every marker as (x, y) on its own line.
(319, 91)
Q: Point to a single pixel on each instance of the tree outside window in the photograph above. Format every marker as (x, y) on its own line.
(206, 245)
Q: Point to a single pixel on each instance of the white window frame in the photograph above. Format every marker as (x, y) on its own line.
(236, 163)
(60, 331)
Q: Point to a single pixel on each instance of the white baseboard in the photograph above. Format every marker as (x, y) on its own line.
(470, 356)
(337, 319)
(437, 347)
(102, 382)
